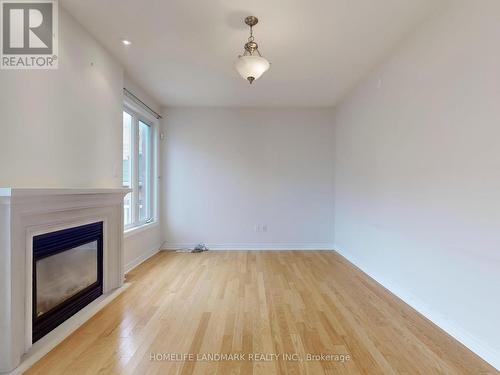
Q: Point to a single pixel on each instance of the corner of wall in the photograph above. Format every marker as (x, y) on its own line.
(473, 343)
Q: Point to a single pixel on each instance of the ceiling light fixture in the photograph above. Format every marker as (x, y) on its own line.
(126, 42)
(251, 65)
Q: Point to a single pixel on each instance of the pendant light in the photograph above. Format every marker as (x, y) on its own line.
(251, 65)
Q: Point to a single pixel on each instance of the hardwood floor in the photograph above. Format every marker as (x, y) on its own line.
(257, 302)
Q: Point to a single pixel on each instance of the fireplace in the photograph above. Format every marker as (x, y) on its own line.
(67, 274)
(34, 215)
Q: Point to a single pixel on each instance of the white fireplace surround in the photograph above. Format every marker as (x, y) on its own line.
(25, 213)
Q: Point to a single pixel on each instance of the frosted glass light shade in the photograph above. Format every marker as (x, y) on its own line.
(251, 67)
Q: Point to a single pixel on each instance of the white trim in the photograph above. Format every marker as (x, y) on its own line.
(132, 231)
(61, 332)
(130, 103)
(473, 343)
(142, 258)
(34, 192)
(252, 246)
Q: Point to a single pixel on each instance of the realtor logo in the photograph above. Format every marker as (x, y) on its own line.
(29, 34)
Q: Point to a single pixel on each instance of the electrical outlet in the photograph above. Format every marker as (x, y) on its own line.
(260, 228)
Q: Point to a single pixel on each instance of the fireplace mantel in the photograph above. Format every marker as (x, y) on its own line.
(20, 192)
(26, 212)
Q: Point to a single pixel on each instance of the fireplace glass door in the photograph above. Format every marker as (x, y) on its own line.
(63, 275)
(67, 274)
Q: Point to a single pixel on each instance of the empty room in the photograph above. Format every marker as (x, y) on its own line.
(249, 187)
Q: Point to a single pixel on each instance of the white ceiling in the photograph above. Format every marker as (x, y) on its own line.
(183, 51)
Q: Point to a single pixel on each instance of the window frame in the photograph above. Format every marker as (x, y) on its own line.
(130, 167)
(138, 114)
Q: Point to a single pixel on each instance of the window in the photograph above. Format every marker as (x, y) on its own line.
(138, 168)
(127, 166)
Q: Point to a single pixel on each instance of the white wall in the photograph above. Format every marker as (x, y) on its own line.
(141, 244)
(417, 174)
(226, 170)
(62, 128)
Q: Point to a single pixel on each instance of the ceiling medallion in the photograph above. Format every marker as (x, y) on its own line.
(251, 65)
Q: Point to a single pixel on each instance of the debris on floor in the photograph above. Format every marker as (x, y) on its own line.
(197, 249)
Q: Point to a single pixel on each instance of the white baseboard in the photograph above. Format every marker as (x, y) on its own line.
(476, 345)
(142, 258)
(252, 246)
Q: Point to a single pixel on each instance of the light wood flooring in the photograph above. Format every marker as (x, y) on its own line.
(257, 303)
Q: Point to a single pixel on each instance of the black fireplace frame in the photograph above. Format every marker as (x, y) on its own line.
(52, 243)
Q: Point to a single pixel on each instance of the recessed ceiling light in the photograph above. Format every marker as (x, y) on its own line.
(126, 42)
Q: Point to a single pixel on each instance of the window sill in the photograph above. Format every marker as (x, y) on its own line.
(138, 229)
